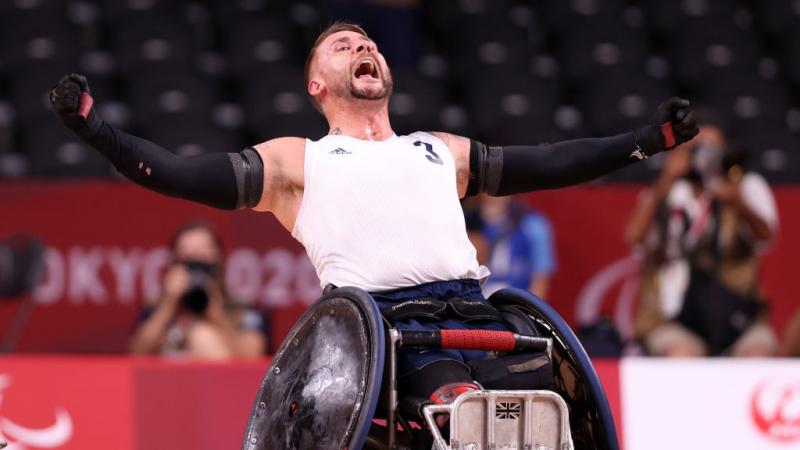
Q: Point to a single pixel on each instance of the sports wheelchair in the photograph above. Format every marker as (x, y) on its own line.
(332, 385)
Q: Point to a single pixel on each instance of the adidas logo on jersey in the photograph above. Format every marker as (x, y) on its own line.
(339, 151)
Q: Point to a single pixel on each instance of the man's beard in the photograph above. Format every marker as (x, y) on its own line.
(387, 85)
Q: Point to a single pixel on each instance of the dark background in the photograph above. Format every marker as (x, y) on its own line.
(217, 75)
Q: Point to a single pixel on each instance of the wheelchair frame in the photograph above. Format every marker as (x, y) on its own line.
(591, 418)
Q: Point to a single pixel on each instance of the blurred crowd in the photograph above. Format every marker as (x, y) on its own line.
(701, 229)
(202, 76)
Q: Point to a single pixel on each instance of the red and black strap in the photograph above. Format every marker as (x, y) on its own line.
(487, 340)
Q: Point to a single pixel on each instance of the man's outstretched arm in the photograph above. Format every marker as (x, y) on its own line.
(516, 169)
(220, 180)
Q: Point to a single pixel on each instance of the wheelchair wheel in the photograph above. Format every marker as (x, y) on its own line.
(575, 378)
(322, 387)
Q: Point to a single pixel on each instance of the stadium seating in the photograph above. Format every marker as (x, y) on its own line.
(505, 71)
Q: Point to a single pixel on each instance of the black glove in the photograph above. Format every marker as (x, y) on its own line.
(673, 125)
(72, 100)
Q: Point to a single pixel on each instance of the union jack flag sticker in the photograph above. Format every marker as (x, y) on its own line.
(507, 410)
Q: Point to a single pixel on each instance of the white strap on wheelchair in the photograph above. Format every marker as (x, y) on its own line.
(483, 420)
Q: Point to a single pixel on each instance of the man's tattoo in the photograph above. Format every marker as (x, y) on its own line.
(336, 131)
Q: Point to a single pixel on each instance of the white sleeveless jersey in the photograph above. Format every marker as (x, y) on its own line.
(383, 215)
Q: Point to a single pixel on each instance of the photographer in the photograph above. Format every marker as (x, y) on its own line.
(702, 228)
(195, 317)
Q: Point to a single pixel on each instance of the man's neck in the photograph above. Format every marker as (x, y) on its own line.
(361, 121)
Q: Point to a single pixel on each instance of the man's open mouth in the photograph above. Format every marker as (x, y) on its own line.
(366, 69)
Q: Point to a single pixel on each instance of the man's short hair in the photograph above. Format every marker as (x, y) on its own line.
(333, 28)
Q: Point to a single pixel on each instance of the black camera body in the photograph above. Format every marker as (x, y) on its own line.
(195, 298)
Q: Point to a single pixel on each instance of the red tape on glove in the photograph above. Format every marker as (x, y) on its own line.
(669, 134)
(85, 105)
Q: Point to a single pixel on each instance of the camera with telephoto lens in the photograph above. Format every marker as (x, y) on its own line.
(195, 298)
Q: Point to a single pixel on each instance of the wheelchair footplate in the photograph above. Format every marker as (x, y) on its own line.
(503, 420)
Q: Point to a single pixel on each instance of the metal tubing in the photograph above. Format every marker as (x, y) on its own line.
(394, 339)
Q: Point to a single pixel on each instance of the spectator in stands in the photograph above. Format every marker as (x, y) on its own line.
(520, 242)
(195, 316)
(702, 227)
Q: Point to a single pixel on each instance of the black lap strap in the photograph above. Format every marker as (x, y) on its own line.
(474, 311)
(418, 308)
(432, 309)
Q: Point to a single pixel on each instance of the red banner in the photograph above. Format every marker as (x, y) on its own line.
(106, 250)
(121, 403)
(124, 403)
(66, 403)
(195, 405)
(71, 403)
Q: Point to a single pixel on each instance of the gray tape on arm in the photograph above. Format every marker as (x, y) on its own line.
(249, 171)
(485, 168)
(494, 169)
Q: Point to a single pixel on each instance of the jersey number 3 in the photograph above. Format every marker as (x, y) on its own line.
(432, 156)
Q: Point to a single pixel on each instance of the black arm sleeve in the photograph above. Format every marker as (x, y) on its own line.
(220, 180)
(512, 170)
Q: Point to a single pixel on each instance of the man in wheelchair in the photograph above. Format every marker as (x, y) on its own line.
(381, 213)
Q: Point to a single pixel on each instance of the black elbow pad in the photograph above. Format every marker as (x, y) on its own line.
(485, 168)
(248, 169)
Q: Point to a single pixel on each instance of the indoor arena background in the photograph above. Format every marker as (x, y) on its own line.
(207, 76)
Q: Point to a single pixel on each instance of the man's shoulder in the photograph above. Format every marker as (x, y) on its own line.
(424, 136)
(446, 138)
(281, 143)
(281, 150)
(459, 145)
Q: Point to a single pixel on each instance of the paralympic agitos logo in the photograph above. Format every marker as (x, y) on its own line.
(775, 409)
(20, 437)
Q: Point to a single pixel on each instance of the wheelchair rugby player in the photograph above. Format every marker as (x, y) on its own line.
(403, 350)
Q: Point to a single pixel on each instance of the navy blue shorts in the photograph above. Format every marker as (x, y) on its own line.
(412, 360)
